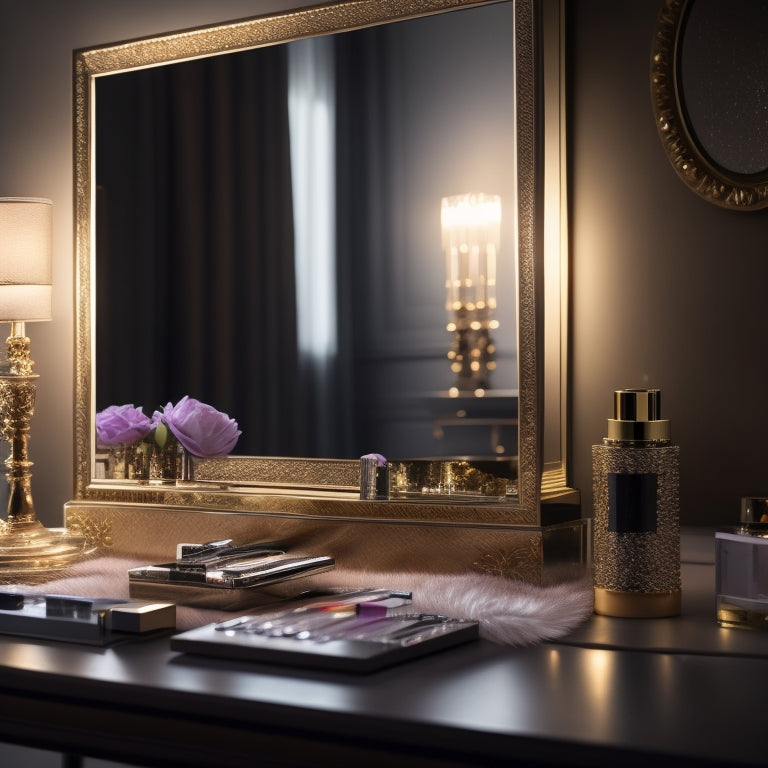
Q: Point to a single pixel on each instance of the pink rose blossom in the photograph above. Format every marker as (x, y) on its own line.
(200, 428)
(124, 424)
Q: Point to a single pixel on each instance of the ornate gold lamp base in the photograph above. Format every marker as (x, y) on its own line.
(32, 553)
(29, 552)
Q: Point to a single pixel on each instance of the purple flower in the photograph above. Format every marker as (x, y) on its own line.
(200, 428)
(118, 424)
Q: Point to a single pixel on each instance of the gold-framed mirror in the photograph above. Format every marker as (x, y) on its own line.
(535, 36)
(708, 86)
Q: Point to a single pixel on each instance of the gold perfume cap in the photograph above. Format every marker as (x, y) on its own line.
(637, 417)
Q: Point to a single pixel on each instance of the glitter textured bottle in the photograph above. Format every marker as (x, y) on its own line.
(636, 481)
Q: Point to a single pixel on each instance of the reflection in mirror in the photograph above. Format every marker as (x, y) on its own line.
(269, 242)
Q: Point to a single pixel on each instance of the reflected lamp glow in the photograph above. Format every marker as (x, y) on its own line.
(471, 233)
(26, 546)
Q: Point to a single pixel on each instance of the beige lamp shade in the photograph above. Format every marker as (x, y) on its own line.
(25, 259)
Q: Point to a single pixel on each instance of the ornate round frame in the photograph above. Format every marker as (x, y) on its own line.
(715, 184)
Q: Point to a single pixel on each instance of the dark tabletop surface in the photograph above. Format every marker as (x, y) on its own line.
(615, 691)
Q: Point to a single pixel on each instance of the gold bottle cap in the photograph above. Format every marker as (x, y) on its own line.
(637, 417)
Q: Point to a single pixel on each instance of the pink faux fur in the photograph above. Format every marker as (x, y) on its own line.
(510, 612)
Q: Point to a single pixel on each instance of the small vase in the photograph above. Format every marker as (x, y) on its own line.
(116, 462)
(137, 460)
(167, 463)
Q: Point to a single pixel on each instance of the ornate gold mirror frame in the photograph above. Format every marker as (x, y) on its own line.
(544, 504)
(713, 181)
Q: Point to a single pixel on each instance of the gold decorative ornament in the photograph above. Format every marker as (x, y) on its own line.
(28, 550)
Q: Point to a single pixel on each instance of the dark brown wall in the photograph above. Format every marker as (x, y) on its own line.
(668, 290)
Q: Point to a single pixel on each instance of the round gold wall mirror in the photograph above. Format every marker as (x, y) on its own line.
(709, 84)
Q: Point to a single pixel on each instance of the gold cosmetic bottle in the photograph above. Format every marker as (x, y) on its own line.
(636, 484)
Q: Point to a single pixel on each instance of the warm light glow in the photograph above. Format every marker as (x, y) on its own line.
(471, 227)
(471, 230)
(598, 684)
(25, 259)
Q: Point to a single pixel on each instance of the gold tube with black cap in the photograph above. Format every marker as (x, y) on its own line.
(636, 484)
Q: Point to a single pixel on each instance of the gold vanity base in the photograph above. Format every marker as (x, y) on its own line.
(637, 605)
(30, 553)
(534, 554)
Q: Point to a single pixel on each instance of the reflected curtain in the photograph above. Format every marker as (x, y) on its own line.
(202, 182)
(364, 187)
(312, 109)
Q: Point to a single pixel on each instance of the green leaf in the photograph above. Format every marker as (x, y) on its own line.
(161, 435)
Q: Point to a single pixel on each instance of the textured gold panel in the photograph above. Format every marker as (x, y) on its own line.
(339, 474)
(336, 505)
(532, 554)
(259, 31)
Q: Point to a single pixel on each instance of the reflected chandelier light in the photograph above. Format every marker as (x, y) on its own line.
(26, 546)
(471, 227)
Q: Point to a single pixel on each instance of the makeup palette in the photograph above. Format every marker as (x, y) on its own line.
(361, 631)
(90, 621)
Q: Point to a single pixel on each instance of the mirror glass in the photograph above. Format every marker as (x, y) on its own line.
(723, 82)
(268, 236)
(710, 86)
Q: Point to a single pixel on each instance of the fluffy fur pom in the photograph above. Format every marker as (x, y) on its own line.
(510, 612)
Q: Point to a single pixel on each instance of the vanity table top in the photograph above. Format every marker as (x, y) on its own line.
(614, 692)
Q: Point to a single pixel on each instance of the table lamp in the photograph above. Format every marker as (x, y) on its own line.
(26, 546)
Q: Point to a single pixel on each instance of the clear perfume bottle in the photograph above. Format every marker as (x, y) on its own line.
(636, 485)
